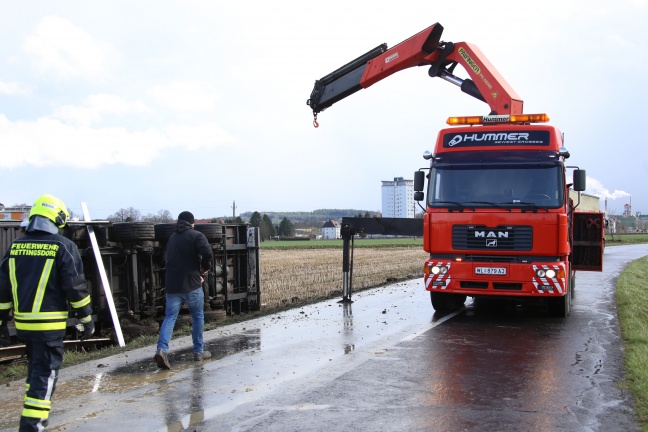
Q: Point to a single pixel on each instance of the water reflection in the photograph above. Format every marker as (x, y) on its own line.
(493, 358)
(188, 400)
(347, 326)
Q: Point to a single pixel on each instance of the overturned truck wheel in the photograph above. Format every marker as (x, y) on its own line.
(213, 231)
(131, 231)
(163, 231)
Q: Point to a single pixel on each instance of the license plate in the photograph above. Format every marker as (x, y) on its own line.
(490, 271)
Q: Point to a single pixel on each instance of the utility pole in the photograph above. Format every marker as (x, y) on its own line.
(234, 211)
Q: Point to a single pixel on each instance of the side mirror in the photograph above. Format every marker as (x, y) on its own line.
(579, 180)
(419, 196)
(419, 181)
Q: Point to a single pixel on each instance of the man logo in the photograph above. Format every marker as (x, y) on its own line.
(492, 234)
(491, 243)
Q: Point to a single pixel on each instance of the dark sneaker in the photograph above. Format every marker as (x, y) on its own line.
(162, 360)
(202, 356)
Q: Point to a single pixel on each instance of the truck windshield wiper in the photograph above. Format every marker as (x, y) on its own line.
(492, 204)
(532, 206)
(460, 206)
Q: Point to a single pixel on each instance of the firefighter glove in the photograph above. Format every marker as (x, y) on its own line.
(87, 328)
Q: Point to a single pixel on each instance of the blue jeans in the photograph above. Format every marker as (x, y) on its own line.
(196, 301)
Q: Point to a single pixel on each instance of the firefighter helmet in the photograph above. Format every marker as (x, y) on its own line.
(52, 208)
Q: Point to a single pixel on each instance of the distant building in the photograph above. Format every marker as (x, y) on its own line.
(331, 230)
(398, 198)
(19, 213)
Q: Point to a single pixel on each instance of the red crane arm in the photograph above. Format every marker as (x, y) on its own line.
(423, 49)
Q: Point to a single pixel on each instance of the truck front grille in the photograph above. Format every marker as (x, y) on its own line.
(510, 238)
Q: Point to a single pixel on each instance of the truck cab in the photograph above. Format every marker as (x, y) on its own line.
(498, 220)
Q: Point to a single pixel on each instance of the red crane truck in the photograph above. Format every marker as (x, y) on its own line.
(498, 220)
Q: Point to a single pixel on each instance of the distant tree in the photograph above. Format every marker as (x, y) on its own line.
(125, 215)
(238, 220)
(266, 228)
(255, 220)
(162, 216)
(367, 215)
(286, 228)
(165, 216)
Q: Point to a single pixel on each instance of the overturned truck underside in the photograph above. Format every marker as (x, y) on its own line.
(132, 254)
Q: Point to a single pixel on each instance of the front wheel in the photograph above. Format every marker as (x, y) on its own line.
(444, 302)
(561, 306)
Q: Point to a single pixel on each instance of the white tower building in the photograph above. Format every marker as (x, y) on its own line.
(398, 198)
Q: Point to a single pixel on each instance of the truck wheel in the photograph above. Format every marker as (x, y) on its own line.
(572, 284)
(560, 306)
(443, 302)
(213, 231)
(131, 231)
(163, 231)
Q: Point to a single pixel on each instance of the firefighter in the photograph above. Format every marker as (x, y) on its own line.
(40, 273)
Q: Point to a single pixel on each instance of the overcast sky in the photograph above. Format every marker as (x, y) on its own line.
(192, 105)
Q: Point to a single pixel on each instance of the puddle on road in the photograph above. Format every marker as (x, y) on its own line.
(144, 372)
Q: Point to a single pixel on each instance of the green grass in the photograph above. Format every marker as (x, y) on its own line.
(624, 239)
(321, 244)
(632, 309)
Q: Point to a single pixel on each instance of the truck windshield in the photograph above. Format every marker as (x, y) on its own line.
(489, 185)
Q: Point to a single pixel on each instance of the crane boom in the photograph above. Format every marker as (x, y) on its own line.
(423, 49)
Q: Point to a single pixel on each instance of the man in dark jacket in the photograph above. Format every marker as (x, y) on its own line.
(188, 257)
(39, 275)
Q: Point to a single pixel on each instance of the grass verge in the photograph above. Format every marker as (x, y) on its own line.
(632, 310)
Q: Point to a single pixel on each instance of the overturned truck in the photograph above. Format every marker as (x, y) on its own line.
(132, 254)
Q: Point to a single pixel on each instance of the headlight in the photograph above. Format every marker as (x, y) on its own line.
(550, 273)
(439, 270)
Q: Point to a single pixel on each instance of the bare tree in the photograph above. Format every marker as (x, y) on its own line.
(162, 216)
(125, 215)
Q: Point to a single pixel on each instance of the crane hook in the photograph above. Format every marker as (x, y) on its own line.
(315, 124)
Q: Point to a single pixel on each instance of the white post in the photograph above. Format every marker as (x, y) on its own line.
(104, 277)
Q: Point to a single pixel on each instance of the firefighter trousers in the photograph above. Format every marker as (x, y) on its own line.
(45, 354)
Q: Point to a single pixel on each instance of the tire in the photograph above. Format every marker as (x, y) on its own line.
(131, 231)
(572, 284)
(443, 302)
(163, 231)
(213, 231)
(561, 306)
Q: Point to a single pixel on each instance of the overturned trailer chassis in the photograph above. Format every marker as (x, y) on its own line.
(133, 257)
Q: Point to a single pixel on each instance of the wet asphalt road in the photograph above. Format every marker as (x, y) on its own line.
(384, 363)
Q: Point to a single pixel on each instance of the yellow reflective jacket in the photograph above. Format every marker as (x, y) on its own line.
(40, 273)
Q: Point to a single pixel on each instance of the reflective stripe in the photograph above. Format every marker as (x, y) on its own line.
(41, 326)
(86, 319)
(42, 284)
(38, 403)
(28, 316)
(14, 281)
(81, 303)
(6, 306)
(35, 413)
